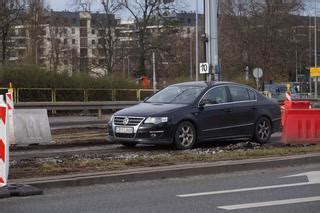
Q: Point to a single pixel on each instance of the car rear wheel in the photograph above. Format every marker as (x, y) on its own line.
(262, 132)
(185, 136)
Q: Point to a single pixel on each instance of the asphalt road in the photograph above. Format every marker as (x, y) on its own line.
(277, 194)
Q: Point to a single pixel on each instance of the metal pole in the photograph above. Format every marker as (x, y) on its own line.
(296, 59)
(154, 72)
(310, 54)
(212, 32)
(197, 41)
(36, 46)
(208, 33)
(123, 68)
(191, 64)
(128, 65)
(315, 50)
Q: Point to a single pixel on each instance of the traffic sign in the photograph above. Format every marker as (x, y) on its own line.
(257, 72)
(204, 68)
(315, 71)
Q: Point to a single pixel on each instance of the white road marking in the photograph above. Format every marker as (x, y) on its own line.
(242, 190)
(270, 203)
(313, 178)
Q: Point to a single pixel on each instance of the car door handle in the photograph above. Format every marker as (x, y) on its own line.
(253, 108)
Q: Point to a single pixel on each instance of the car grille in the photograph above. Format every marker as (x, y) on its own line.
(132, 121)
(124, 135)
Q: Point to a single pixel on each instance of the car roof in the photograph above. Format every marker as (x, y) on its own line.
(206, 84)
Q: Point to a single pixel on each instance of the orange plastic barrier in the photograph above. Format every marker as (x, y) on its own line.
(301, 126)
(293, 105)
(297, 104)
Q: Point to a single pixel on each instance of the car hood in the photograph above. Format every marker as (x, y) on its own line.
(149, 109)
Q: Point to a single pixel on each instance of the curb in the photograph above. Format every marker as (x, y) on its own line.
(154, 173)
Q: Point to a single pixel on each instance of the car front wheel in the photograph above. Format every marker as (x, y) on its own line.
(262, 132)
(185, 136)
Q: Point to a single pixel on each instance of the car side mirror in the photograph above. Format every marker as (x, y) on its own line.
(204, 102)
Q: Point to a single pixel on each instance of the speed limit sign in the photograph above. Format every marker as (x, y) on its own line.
(204, 68)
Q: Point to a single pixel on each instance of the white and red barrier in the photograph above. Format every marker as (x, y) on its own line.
(288, 96)
(10, 106)
(4, 145)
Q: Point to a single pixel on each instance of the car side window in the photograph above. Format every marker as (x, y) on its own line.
(216, 96)
(239, 93)
(252, 95)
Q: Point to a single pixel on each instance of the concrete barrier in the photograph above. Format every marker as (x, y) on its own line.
(32, 127)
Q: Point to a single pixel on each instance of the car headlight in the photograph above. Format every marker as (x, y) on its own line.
(111, 119)
(156, 120)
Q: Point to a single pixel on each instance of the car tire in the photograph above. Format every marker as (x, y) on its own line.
(128, 144)
(185, 136)
(262, 131)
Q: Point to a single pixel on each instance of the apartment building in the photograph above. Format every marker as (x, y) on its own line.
(74, 41)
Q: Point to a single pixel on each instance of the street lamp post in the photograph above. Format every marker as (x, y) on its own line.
(154, 72)
(191, 64)
(197, 41)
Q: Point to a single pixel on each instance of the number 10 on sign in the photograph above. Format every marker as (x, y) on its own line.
(204, 68)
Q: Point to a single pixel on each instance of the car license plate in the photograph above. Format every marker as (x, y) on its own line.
(124, 130)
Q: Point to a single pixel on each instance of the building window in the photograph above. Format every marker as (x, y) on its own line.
(83, 52)
(73, 41)
(83, 42)
(65, 30)
(65, 41)
(93, 32)
(73, 31)
(83, 23)
(74, 21)
(83, 32)
(93, 42)
(101, 41)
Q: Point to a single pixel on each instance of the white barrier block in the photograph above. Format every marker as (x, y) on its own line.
(4, 145)
(32, 126)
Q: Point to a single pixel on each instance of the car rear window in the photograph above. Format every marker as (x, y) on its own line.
(239, 93)
(252, 95)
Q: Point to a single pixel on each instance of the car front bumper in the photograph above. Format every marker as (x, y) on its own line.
(146, 134)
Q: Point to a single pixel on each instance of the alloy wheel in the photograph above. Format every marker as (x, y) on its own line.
(185, 136)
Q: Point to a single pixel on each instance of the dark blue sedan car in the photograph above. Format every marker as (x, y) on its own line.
(186, 113)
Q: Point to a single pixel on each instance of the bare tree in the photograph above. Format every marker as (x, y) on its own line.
(108, 43)
(60, 50)
(258, 33)
(145, 13)
(36, 16)
(10, 11)
(85, 5)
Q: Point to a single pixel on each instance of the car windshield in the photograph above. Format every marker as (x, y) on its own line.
(176, 95)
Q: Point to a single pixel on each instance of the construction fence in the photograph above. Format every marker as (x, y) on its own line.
(49, 95)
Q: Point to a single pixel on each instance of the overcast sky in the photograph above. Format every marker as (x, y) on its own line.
(67, 4)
